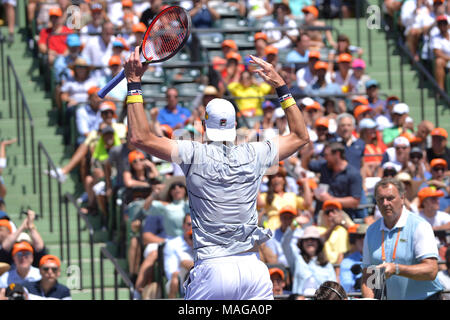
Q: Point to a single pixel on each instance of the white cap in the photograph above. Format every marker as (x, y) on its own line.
(307, 101)
(383, 123)
(24, 237)
(401, 108)
(401, 141)
(220, 118)
(279, 113)
(367, 123)
(389, 164)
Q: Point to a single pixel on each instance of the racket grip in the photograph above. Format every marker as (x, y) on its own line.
(111, 84)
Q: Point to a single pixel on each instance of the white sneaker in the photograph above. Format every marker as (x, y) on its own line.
(58, 174)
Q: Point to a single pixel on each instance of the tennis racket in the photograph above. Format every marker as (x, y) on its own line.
(164, 37)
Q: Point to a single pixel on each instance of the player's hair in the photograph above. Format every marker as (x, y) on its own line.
(393, 181)
(330, 290)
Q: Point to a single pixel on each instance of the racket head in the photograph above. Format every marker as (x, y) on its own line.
(166, 35)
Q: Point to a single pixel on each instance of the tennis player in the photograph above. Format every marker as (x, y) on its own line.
(222, 180)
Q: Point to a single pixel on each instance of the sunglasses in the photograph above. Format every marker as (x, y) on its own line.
(327, 212)
(416, 155)
(439, 169)
(21, 254)
(402, 148)
(54, 269)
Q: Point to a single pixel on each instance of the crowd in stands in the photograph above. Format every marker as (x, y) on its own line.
(318, 203)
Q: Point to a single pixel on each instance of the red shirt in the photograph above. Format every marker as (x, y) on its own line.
(56, 43)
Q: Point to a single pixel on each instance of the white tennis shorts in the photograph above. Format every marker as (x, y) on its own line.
(238, 277)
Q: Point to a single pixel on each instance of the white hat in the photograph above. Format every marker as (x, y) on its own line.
(220, 118)
(307, 101)
(24, 237)
(279, 113)
(401, 108)
(401, 141)
(383, 123)
(367, 123)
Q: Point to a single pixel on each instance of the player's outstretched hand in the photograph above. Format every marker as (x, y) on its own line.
(134, 69)
(267, 72)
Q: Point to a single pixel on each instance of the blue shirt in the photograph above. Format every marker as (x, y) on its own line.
(155, 225)
(354, 152)
(165, 116)
(416, 243)
(330, 89)
(87, 120)
(274, 244)
(58, 291)
(347, 278)
(223, 183)
(295, 57)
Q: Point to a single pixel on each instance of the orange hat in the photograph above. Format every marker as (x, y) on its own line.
(139, 27)
(438, 162)
(270, 50)
(314, 105)
(288, 209)
(278, 271)
(127, 3)
(344, 57)
(311, 9)
(93, 90)
(359, 110)
(332, 203)
(429, 192)
(114, 61)
(234, 55)
(189, 232)
(442, 18)
(135, 154)
(321, 65)
(229, 43)
(49, 257)
(7, 224)
(314, 54)
(260, 35)
(21, 246)
(167, 129)
(361, 100)
(107, 105)
(312, 183)
(322, 122)
(439, 132)
(411, 137)
(124, 43)
(55, 12)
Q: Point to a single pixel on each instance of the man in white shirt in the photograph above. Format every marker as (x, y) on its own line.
(179, 257)
(95, 26)
(429, 205)
(441, 49)
(97, 48)
(281, 39)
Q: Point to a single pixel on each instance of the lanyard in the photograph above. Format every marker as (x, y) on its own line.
(383, 253)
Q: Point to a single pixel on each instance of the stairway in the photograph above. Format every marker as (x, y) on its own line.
(19, 181)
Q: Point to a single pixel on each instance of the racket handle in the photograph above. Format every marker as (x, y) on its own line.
(111, 84)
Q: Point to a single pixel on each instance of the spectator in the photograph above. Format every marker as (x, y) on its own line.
(276, 198)
(127, 9)
(52, 40)
(316, 36)
(61, 71)
(99, 48)
(358, 79)
(343, 46)
(94, 27)
(287, 72)
(418, 167)
(313, 110)
(333, 224)
(354, 147)
(173, 114)
(287, 215)
(350, 268)
(257, 9)
(362, 112)
(399, 114)
(48, 287)
(10, 8)
(261, 42)
(245, 88)
(3, 162)
(75, 90)
(278, 281)
(344, 180)
(271, 54)
(372, 89)
(22, 270)
(438, 180)
(300, 54)
(148, 14)
(441, 50)
(88, 115)
(439, 147)
(374, 147)
(179, 258)
(398, 154)
(411, 270)
(344, 73)
(444, 275)
(233, 69)
(330, 290)
(429, 209)
(203, 14)
(321, 127)
(423, 134)
(323, 84)
(307, 74)
(310, 266)
(139, 30)
(267, 120)
(119, 92)
(281, 39)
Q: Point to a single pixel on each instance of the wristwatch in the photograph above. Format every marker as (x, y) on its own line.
(397, 269)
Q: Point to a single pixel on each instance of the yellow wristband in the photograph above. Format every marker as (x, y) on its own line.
(287, 103)
(135, 99)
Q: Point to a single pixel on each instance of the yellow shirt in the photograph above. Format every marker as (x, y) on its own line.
(337, 243)
(278, 203)
(119, 128)
(250, 107)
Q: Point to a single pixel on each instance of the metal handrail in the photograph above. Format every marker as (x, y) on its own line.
(20, 116)
(2, 64)
(104, 253)
(80, 216)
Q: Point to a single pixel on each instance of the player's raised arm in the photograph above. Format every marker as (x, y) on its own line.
(298, 135)
(139, 131)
